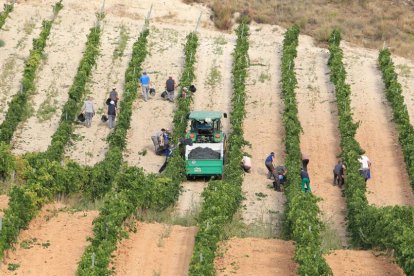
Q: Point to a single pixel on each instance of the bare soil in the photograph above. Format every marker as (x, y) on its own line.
(252, 256)
(22, 25)
(53, 243)
(377, 134)
(320, 138)
(361, 263)
(263, 126)
(155, 249)
(4, 203)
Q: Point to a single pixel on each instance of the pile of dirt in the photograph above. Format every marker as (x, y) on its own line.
(203, 153)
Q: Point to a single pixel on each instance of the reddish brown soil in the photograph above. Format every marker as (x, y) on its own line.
(60, 240)
(361, 263)
(252, 256)
(156, 249)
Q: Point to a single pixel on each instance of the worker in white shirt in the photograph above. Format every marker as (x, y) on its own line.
(246, 164)
(365, 169)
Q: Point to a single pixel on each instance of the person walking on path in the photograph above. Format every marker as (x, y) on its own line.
(113, 95)
(305, 161)
(339, 174)
(89, 111)
(111, 114)
(145, 82)
(270, 166)
(365, 169)
(305, 181)
(170, 88)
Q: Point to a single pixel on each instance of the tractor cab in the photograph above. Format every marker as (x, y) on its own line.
(205, 127)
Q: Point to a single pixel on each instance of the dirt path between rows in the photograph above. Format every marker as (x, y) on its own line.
(109, 73)
(155, 249)
(214, 90)
(377, 134)
(361, 263)
(22, 25)
(320, 138)
(4, 204)
(52, 245)
(252, 256)
(64, 52)
(165, 58)
(263, 126)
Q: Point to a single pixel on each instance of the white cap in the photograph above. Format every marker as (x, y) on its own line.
(112, 102)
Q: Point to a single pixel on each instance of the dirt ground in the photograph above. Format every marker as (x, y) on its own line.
(52, 245)
(22, 25)
(155, 249)
(252, 256)
(214, 90)
(320, 138)
(361, 263)
(263, 126)
(377, 134)
(4, 203)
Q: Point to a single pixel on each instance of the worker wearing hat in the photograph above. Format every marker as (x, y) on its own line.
(113, 95)
(111, 114)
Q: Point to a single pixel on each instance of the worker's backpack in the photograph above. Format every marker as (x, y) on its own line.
(164, 95)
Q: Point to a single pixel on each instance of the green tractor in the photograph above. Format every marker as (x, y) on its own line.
(205, 156)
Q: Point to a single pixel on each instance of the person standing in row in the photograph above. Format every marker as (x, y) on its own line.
(305, 161)
(365, 169)
(113, 95)
(269, 163)
(339, 174)
(170, 88)
(305, 183)
(89, 111)
(111, 114)
(145, 82)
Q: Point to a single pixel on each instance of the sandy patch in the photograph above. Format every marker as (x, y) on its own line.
(52, 245)
(377, 133)
(320, 138)
(64, 52)
(251, 256)
(361, 263)
(23, 24)
(4, 204)
(156, 249)
(109, 72)
(263, 126)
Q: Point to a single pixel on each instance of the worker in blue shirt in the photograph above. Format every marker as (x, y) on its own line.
(145, 82)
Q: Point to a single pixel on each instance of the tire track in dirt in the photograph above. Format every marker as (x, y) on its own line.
(214, 90)
(377, 135)
(320, 138)
(23, 25)
(252, 256)
(361, 263)
(263, 127)
(64, 52)
(53, 243)
(110, 72)
(156, 249)
(165, 57)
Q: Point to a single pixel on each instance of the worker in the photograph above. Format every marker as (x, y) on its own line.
(305, 184)
(304, 174)
(111, 114)
(281, 173)
(145, 82)
(339, 174)
(270, 166)
(365, 169)
(113, 95)
(246, 164)
(305, 161)
(89, 111)
(170, 88)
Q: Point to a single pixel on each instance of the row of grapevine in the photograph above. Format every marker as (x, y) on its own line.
(19, 104)
(132, 188)
(302, 212)
(8, 8)
(44, 175)
(386, 227)
(104, 172)
(401, 116)
(222, 198)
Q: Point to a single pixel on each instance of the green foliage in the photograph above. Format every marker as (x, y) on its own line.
(7, 161)
(8, 8)
(302, 213)
(222, 198)
(18, 105)
(103, 173)
(387, 227)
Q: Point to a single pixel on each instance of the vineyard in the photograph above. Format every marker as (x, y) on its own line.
(77, 200)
